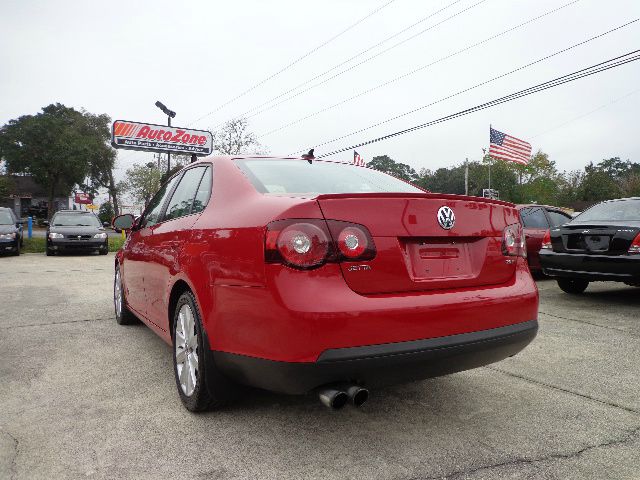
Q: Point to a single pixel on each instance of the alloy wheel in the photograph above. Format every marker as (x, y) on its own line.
(117, 293)
(186, 350)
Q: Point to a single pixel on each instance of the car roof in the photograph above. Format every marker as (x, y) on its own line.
(83, 212)
(546, 207)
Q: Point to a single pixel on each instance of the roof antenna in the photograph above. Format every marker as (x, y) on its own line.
(309, 156)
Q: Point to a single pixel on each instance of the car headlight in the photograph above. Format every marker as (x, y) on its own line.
(100, 235)
(55, 235)
(7, 236)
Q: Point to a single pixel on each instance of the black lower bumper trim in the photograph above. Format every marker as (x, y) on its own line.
(378, 365)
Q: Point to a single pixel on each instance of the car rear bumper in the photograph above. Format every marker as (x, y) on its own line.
(298, 316)
(385, 364)
(620, 268)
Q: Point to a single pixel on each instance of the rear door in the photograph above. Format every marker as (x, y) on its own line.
(415, 251)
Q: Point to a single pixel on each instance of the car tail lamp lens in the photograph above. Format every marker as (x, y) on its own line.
(298, 243)
(306, 244)
(634, 249)
(354, 241)
(513, 243)
(546, 241)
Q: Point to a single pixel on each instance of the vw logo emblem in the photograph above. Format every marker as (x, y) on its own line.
(446, 218)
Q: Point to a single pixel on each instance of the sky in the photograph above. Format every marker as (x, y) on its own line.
(199, 57)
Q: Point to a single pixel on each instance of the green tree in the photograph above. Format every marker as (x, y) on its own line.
(106, 212)
(142, 182)
(599, 184)
(6, 185)
(234, 138)
(56, 146)
(386, 164)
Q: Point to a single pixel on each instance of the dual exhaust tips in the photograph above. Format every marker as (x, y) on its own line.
(337, 397)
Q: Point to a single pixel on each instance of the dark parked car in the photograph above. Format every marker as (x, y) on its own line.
(10, 232)
(74, 230)
(295, 276)
(602, 243)
(536, 220)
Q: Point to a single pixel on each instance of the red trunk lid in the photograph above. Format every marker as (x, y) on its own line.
(414, 252)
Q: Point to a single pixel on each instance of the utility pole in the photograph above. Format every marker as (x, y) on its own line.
(466, 176)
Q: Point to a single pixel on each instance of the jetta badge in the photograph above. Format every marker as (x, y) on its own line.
(446, 218)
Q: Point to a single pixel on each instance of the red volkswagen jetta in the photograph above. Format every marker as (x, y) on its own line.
(294, 275)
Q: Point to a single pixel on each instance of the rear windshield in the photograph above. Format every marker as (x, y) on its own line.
(301, 177)
(617, 210)
(75, 220)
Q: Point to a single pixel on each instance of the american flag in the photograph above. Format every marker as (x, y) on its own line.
(506, 147)
(358, 160)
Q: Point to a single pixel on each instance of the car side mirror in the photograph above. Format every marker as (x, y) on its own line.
(123, 222)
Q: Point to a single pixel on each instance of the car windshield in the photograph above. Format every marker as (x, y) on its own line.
(75, 220)
(616, 210)
(301, 177)
(5, 218)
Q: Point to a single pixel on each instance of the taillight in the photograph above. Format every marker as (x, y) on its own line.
(513, 243)
(354, 241)
(298, 243)
(634, 249)
(309, 243)
(546, 241)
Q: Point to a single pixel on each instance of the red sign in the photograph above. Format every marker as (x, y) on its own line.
(83, 198)
(158, 138)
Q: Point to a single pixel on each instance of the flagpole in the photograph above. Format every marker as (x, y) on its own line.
(466, 176)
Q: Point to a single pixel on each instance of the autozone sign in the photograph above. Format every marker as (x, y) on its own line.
(160, 138)
(82, 198)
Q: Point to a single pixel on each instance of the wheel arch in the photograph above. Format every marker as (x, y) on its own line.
(180, 286)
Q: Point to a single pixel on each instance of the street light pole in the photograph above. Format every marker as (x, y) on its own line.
(168, 153)
(170, 114)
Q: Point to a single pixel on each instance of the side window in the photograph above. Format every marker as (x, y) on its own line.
(558, 218)
(533, 218)
(154, 209)
(204, 192)
(185, 192)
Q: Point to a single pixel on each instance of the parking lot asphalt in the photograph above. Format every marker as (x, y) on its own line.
(82, 397)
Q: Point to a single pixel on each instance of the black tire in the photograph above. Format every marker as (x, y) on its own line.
(17, 252)
(50, 252)
(212, 389)
(104, 252)
(123, 314)
(572, 285)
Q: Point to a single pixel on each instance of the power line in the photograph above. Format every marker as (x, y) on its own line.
(585, 72)
(359, 54)
(586, 114)
(416, 70)
(352, 67)
(474, 86)
(297, 60)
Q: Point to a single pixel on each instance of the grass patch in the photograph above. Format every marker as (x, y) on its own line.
(34, 245)
(115, 243)
(39, 245)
